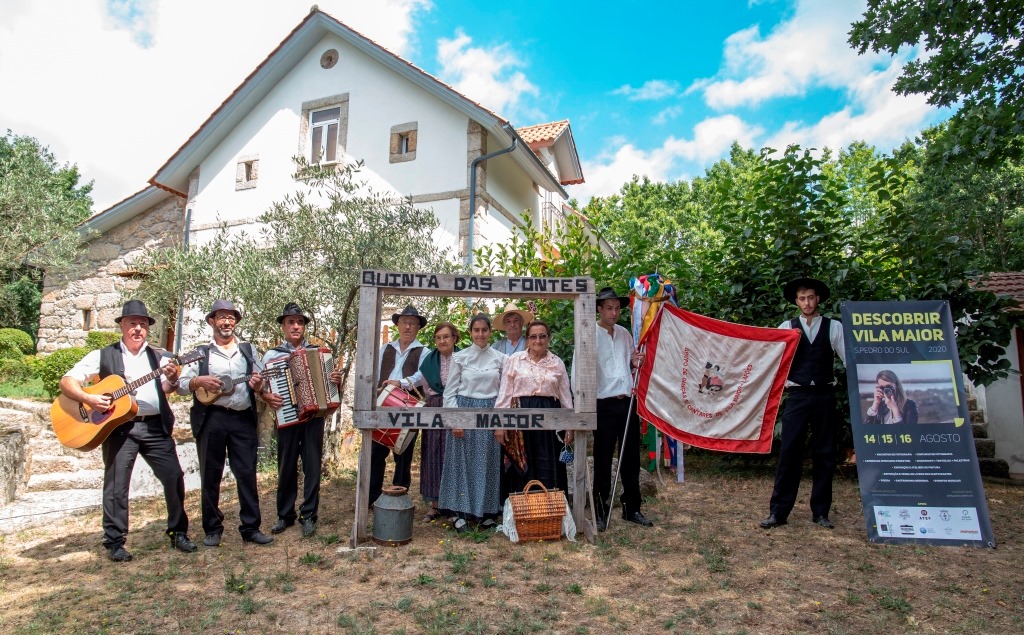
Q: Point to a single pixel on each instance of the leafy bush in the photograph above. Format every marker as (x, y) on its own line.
(99, 339)
(15, 343)
(14, 370)
(53, 367)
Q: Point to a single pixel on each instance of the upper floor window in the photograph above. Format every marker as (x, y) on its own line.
(403, 142)
(323, 129)
(324, 125)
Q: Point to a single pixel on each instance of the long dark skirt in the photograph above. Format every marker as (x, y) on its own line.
(542, 450)
(431, 456)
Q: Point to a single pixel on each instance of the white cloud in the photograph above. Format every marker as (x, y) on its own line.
(485, 75)
(651, 90)
(712, 139)
(665, 115)
(807, 51)
(116, 86)
(876, 115)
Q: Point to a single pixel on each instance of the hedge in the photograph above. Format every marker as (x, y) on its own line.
(15, 343)
(99, 339)
(56, 364)
(15, 370)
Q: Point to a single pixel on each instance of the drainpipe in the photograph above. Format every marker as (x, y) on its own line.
(181, 306)
(472, 190)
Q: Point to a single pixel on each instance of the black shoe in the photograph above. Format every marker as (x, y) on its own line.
(119, 554)
(601, 523)
(180, 541)
(212, 540)
(637, 517)
(308, 527)
(259, 538)
(772, 521)
(281, 525)
(824, 522)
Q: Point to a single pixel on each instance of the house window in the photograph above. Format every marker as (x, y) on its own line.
(323, 131)
(86, 319)
(247, 171)
(403, 142)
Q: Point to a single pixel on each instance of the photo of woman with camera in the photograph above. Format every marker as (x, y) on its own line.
(890, 404)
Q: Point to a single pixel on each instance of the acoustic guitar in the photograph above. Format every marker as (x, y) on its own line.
(79, 427)
(227, 385)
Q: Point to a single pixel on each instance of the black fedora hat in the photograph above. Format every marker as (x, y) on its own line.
(224, 305)
(608, 293)
(134, 308)
(293, 309)
(806, 283)
(409, 311)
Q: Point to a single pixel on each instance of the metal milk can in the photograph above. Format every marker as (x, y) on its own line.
(393, 517)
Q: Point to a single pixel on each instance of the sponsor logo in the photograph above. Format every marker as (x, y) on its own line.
(924, 514)
(969, 532)
(883, 513)
(944, 515)
(907, 530)
(904, 514)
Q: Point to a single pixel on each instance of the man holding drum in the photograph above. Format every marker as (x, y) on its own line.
(399, 365)
(303, 439)
(227, 427)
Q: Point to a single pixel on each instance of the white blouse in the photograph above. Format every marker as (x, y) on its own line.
(475, 373)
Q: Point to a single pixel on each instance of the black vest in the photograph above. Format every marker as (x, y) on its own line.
(197, 415)
(813, 360)
(387, 364)
(112, 363)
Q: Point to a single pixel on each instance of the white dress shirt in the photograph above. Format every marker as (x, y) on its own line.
(614, 351)
(835, 336)
(400, 357)
(475, 373)
(224, 362)
(135, 366)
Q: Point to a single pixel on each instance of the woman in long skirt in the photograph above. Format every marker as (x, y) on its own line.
(435, 367)
(536, 378)
(472, 463)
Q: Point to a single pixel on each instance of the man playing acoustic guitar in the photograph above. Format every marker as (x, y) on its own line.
(148, 434)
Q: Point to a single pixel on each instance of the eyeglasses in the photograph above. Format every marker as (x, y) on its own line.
(441, 338)
(538, 336)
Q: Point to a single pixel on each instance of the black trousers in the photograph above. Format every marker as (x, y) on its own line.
(811, 409)
(378, 463)
(120, 450)
(305, 440)
(611, 424)
(230, 434)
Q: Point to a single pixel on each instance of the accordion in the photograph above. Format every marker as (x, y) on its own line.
(303, 381)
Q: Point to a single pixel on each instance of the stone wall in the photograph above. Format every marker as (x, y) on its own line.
(95, 285)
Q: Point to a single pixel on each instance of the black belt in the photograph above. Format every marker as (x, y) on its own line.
(615, 397)
(147, 418)
(215, 408)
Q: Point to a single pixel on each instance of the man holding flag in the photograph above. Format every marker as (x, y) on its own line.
(810, 404)
(617, 423)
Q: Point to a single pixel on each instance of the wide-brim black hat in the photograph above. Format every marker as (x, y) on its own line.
(409, 311)
(224, 305)
(293, 309)
(806, 283)
(608, 293)
(134, 308)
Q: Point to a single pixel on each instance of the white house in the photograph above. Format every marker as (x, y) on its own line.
(326, 93)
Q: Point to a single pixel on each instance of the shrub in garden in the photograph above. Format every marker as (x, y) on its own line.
(54, 365)
(15, 343)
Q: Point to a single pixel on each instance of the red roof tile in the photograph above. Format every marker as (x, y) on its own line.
(543, 134)
(1009, 283)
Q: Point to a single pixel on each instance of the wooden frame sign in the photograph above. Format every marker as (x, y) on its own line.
(367, 417)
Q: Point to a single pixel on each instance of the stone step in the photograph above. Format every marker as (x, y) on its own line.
(977, 416)
(82, 479)
(986, 448)
(46, 444)
(994, 467)
(53, 463)
(979, 430)
(37, 508)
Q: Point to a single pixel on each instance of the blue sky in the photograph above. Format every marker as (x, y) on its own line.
(658, 88)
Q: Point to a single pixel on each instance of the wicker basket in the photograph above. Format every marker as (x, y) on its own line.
(538, 514)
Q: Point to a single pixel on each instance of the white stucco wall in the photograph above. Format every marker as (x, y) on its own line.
(1005, 413)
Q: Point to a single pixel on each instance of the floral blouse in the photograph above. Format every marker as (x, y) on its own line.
(524, 377)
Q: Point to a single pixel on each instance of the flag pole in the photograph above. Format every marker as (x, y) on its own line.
(622, 448)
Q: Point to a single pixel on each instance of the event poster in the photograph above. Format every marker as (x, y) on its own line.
(916, 461)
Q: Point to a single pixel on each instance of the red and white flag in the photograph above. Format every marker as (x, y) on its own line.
(714, 384)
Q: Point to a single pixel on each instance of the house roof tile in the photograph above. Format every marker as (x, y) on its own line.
(544, 133)
(1009, 283)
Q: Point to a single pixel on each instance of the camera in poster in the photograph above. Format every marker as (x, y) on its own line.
(916, 460)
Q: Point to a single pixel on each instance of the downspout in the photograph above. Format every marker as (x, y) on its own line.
(472, 190)
(181, 307)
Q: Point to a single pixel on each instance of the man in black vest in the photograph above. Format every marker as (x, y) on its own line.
(148, 434)
(302, 439)
(226, 427)
(399, 366)
(810, 404)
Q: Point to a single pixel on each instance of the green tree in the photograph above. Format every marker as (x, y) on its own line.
(971, 56)
(41, 202)
(311, 249)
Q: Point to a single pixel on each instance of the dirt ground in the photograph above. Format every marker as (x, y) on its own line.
(704, 568)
